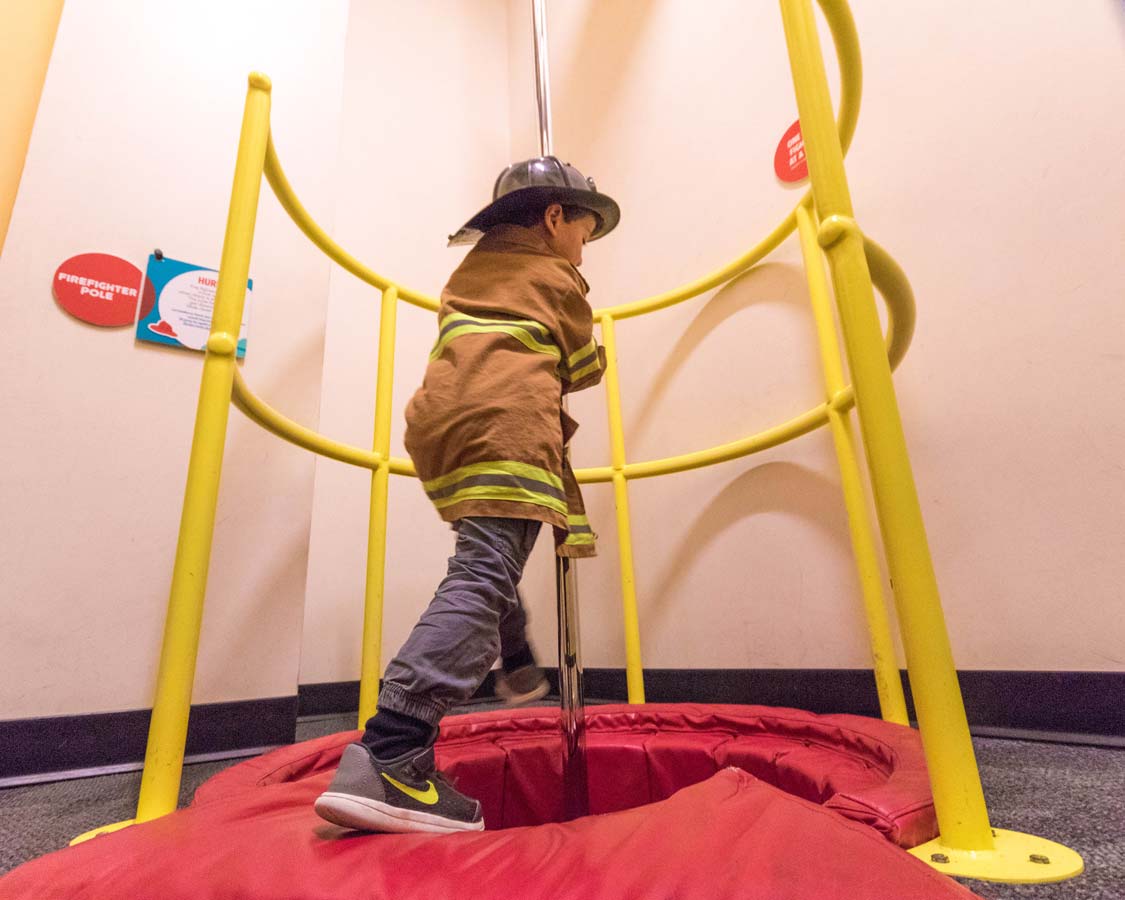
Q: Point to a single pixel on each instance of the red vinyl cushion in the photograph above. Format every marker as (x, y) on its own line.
(866, 769)
(252, 833)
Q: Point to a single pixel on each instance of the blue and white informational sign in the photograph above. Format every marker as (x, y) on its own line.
(185, 302)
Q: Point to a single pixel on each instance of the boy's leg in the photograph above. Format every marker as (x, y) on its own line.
(457, 639)
(513, 635)
(388, 782)
(519, 680)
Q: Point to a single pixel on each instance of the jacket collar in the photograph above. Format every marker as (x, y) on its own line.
(505, 236)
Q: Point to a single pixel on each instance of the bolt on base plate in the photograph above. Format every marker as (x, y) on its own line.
(1016, 858)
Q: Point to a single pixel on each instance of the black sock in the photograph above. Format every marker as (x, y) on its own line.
(518, 660)
(391, 734)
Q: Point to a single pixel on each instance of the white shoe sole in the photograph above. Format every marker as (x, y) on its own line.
(537, 693)
(373, 815)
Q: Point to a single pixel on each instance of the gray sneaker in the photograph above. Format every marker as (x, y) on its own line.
(523, 685)
(399, 795)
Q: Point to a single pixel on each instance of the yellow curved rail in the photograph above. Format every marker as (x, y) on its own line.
(275, 175)
(273, 421)
(887, 276)
(895, 289)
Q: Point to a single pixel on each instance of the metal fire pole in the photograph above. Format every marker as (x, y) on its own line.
(571, 703)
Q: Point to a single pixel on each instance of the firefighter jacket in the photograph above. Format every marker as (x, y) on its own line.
(486, 430)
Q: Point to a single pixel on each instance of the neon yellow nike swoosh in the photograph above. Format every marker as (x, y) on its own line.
(429, 797)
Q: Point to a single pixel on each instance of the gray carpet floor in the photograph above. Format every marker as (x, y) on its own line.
(1073, 795)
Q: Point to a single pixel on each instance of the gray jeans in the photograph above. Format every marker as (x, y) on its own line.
(476, 615)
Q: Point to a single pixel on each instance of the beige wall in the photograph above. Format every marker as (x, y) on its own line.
(134, 148)
(985, 162)
(1003, 208)
(987, 166)
(420, 136)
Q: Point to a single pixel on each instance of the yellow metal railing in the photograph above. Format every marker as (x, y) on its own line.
(888, 681)
(833, 247)
(967, 844)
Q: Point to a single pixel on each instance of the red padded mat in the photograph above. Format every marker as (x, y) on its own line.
(252, 833)
(866, 769)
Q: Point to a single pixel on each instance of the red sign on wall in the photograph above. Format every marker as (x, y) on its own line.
(102, 289)
(789, 161)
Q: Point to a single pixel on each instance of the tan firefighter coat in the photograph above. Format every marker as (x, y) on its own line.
(486, 430)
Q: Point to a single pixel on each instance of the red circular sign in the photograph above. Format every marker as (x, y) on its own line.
(102, 289)
(789, 161)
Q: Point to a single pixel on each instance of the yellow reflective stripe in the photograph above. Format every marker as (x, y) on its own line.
(585, 536)
(492, 492)
(515, 331)
(591, 349)
(585, 370)
(496, 467)
(580, 355)
(517, 328)
(465, 317)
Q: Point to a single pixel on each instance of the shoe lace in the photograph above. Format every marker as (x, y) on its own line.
(439, 775)
(435, 774)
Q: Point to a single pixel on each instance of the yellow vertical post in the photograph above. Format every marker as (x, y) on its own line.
(958, 797)
(371, 656)
(634, 673)
(164, 757)
(967, 846)
(888, 682)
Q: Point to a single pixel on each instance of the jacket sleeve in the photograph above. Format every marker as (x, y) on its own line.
(585, 374)
(561, 301)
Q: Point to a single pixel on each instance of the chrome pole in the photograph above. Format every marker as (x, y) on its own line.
(572, 709)
(542, 76)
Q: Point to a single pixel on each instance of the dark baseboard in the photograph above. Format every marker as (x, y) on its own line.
(1078, 702)
(1065, 702)
(1069, 704)
(100, 740)
(1071, 707)
(327, 698)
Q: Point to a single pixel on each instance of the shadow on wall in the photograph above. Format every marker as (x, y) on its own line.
(765, 283)
(776, 487)
(611, 35)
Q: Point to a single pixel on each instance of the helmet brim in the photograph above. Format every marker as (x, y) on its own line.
(605, 208)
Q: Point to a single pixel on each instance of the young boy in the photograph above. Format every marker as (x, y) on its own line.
(486, 432)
